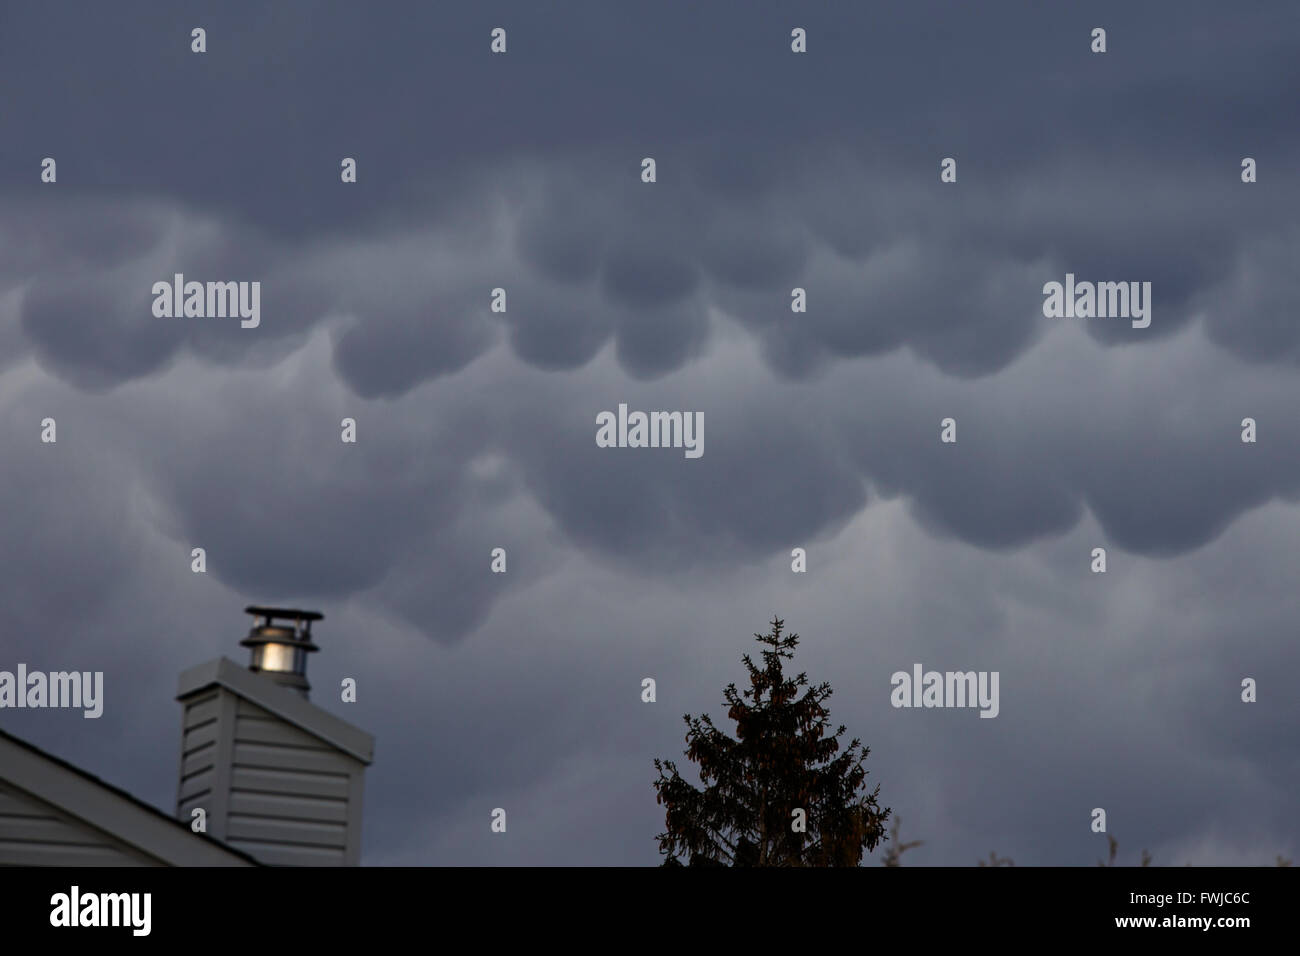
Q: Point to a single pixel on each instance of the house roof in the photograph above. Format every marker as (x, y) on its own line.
(111, 809)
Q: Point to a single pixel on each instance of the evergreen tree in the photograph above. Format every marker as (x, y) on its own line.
(782, 759)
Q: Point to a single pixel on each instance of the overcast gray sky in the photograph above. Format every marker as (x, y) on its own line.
(476, 430)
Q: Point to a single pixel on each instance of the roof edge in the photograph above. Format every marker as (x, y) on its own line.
(126, 818)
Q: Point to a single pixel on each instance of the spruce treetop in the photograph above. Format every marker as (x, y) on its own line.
(784, 791)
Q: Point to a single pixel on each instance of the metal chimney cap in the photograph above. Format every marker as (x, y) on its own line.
(285, 612)
(279, 650)
(266, 632)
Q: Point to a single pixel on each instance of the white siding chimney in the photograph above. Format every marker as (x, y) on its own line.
(276, 776)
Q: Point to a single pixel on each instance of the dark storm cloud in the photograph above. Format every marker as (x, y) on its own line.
(561, 232)
(391, 351)
(646, 278)
(951, 272)
(555, 328)
(1159, 462)
(765, 478)
(303, 515)
(396, 335)
(1253, 312)
(71, 531)
(1156, 457)
(90, 317)
(117, 345)
(259, 123)
(754, 253)
(90, 320)
(927, 276)
(774, 171)
(763, 165)
(891, 259)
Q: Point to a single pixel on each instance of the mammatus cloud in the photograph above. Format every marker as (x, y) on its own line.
(476, 428)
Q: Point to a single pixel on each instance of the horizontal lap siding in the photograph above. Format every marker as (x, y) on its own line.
(288, 806)
(287, 832)
(200, 730)
(302, 782)
(64, 854)
(269, 757)
(200, 738)
(34, 833)
(200, 710)
(278, 854)
(289, 792)
(196, 784)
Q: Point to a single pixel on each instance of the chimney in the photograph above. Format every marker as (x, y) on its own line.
(275, 775)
